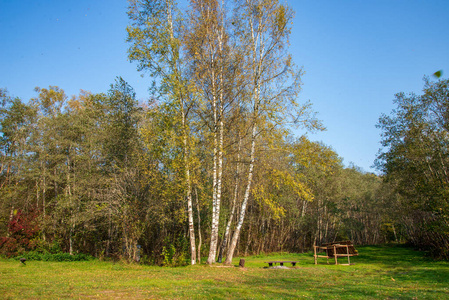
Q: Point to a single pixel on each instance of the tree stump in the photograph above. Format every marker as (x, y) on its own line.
(242, 263)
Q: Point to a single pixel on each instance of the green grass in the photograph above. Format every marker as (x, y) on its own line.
(379, 272)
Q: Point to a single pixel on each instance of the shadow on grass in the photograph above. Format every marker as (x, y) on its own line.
(402, 262)
(283, 285)
(378, 272)
(392, 255)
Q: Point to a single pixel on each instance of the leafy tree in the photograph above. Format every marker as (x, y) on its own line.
(17, 120)
(273, 81)
(156, 45)
(121, 121)
(415, 157)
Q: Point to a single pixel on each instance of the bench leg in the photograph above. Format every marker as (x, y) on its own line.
(293, 264)
(347, 252)
(282, 264)
(270, 264)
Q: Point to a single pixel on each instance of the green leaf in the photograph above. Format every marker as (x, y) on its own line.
(438, 74)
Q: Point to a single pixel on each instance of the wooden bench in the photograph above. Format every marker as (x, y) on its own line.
(335, 250)
(281, 263)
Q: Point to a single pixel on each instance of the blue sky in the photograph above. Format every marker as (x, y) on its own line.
(356, 55)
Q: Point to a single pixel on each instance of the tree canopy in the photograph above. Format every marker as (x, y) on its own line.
(415, 162)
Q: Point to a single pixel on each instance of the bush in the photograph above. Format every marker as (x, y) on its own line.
(61, 256)
(22, 230)
(8, 246)
(175, 256)
(169, 254)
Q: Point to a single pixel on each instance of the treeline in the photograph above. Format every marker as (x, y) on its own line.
(102, 175)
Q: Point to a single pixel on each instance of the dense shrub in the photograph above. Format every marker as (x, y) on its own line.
(22, 233)
(61, 256)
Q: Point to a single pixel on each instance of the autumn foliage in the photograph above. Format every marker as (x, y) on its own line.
(22, 232)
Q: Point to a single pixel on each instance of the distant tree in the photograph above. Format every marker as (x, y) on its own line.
(17, 122)
(121, 121)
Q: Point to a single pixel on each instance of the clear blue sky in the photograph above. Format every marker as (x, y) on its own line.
(356, 55)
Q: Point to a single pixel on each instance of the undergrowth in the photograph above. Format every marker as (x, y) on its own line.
(46, 256)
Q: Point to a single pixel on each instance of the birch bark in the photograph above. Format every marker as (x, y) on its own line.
(178, 83)
(224, 243)
(213, 18)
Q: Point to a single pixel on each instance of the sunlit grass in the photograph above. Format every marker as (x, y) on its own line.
(378, 272)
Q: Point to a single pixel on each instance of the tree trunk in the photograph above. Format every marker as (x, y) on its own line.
(234, 201)
(71, 241)
(236, 234)
(199, 227)
(215, 216)
(189, 193)
(108, 242)
(216, 36)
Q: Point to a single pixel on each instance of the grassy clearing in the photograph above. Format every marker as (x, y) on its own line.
(378, 272)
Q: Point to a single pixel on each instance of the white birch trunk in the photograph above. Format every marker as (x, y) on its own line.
(214, 229)
(234, 202)
(236, 234)
(200, 240)
(257, 63)
(189, 199)
(217, 105)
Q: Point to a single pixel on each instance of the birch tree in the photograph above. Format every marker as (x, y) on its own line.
(155, 44)
(206, 41)
(273, 81)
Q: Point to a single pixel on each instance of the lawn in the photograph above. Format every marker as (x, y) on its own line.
(379, 272)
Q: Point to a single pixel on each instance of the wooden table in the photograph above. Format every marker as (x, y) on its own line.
(335, 250)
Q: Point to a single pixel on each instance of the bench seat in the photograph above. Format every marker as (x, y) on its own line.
(281, 262)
